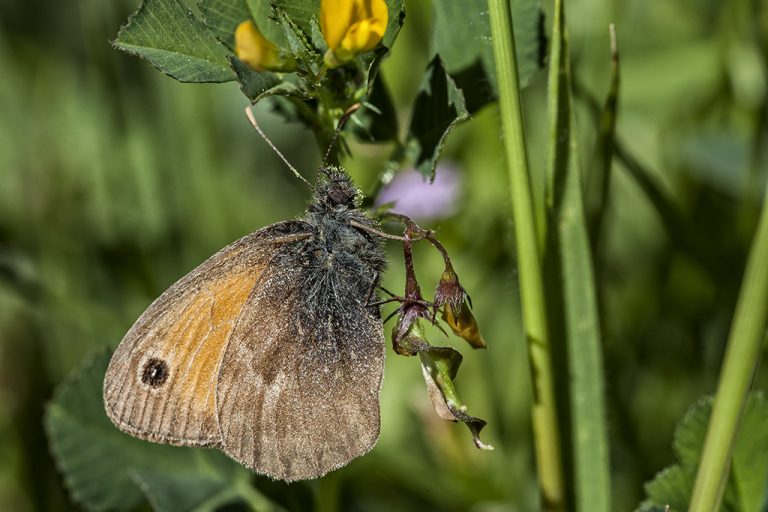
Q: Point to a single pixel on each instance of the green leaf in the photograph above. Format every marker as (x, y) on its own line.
(171, 492)
(439, 106)
(376, 121)
(396, 17)
(316, 36)
(690, 433)
(750, 457)
(264, 16)
(671, 487)
(172, 39)
(106, 469)
(299, 43)
(439, 366)
(300, 12)
(168, 492)
(462, 37)
(253, 83)
(223, 16)
(746, 489)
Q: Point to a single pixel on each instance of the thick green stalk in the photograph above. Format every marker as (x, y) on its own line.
(742, 355)
(545, 426)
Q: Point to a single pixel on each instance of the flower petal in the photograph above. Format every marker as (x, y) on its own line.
(352, 26)
(379, 12)
(335, 19)
(464, 325)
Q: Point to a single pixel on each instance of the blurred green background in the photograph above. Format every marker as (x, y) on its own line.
(115, 181)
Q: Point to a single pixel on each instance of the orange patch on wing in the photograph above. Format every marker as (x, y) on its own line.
(207, 324)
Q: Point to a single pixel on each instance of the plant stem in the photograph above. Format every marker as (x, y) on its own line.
(545, 426)
(254, 499)
(327, 494)
(742, 356)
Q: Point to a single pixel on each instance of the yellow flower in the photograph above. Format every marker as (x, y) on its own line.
(255, 50)
(351, 27)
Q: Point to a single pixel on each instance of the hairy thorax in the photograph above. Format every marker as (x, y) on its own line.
(338, 267)
(341, 249)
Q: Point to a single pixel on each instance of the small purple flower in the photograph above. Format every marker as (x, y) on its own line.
(413, 195)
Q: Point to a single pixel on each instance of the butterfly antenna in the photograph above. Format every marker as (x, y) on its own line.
(252, 120)
(342, 121)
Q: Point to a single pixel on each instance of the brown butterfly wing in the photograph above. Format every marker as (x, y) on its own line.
(298, 394)
(161, 382)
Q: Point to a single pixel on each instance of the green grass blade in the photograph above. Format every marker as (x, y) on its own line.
(570, 239)
(545, 425)
(745, 344)
(600, 178)
(669, 214)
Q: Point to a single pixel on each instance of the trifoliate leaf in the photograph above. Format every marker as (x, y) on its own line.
(106, 469)
(222, 16)
(746, 488)
(172, 39)
(462, 39)
(439, 106)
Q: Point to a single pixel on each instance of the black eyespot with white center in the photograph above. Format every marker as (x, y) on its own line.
(155, 373)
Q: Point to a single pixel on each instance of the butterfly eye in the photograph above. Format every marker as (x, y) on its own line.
(155, 373)
(338, 196)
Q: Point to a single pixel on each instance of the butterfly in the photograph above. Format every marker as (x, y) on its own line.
(272, 350)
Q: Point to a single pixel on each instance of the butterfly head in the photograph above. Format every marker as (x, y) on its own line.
(335, 192)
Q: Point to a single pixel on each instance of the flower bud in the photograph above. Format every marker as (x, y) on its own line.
(408, 338)
(351, 27)
(452, 297)
(259, 53)
(449, 292)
